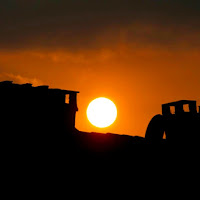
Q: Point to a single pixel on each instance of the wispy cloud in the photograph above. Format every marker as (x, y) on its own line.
(16, 78)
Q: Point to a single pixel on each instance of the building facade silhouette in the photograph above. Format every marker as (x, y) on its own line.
(28, 109)
(180, 125)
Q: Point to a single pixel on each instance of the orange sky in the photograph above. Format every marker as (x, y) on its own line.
(137, 81)
(138, 56)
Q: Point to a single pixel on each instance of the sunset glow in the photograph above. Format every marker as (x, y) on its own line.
(140, 54)
(101, 112)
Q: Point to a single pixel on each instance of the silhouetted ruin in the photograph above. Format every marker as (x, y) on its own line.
(40, 120)
(27, 109)
(182, 126)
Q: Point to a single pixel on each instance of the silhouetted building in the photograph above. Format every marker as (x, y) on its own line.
(182, 125)
(28, 109)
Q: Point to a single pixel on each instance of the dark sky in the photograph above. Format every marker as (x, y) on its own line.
(77, 24)
(138, 53)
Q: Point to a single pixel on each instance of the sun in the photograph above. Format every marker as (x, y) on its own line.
(101, 112)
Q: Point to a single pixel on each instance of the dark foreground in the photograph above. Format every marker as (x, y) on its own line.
(79, 146)
(94, 164)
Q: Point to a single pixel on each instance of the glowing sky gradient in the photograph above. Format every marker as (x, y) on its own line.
(138, 53)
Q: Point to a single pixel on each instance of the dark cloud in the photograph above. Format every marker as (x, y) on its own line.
(77, 24)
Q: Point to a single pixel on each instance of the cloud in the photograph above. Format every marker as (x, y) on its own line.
(19, 79)
(77, 24)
